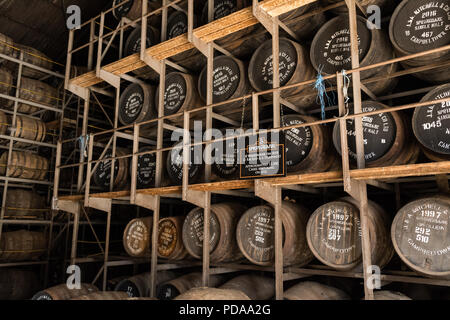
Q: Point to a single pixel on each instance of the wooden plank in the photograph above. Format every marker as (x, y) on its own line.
(223, 185)
(161, 191)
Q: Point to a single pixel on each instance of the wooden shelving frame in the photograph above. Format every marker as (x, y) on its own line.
(354, 181)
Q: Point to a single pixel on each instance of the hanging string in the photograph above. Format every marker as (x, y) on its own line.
(83, 144)
(322, 97)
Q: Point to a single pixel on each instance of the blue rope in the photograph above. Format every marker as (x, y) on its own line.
(83, 143)
(322, 96)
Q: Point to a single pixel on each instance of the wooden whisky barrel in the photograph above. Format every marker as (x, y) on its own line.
(256, 235)
(22, 245)
(180, 94)
(173, 288)
(223, 222)
(137, 237)
(254, 286)
(229, 81)
(431, 123)
(133, 11)
(103, 295)
(102, 175)
(225, 154)
(34, 57)
(334, 234)
(212, 294)
(420, 235)
(304, 28)
(177, 25)
(295, 67)
(61, 292)
(307, 148)
(38, 92)
(390, 295)
(139, 285)
(421, 25)
(6, 85)
(16, 284)
(386, 137)
(133, 45)
(137, 104)
(330, 51)
(146, 169)
(24, 165)
(6, 46)
(309, 290)
(3, 123)
(174, 164)
(170, 239)
(24, 203)
(29, 129)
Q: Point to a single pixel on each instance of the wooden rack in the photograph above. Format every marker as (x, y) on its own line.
(355, 181)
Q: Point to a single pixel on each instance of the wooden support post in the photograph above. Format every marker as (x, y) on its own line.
(134, 163)
(69, 59)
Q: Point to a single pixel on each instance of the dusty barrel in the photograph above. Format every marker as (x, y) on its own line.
(386, 137)
(180, 93)
(255, 234)
(225, 155)
(24, 165)
(386, 6)
(420, 235)
(104, 295)
(254, 286)
(146, 169)
(212, 294)
(24, 203)
(294, 64)
(6, 86)
(17, 284)
(170, 239)
(307, 148)
(61, 292)
(223, 220)
(229, 81)
(334, 234)
(422, 25)
(177, 25)
(390, 295)
(22, 245)
(133, 11)
(174, 164)
(36, 91)
(431, 123)
(177, 286)
(139, 285)
(29, 129)
(137, 104)
(102, 175)
(34, 57)
(137, 237)
(304, 21)
(6, 45)
(133, 45)
(330, 51)
(308, 290)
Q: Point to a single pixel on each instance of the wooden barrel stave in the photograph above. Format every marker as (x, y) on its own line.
(136, 237)
(16, 284)
(29, 129)
(420, 235)
(24, 165)
(256, 241)
(212, 294)
(308, 290)
(23, 203)
(304, 28)
(133, 11)
(139, 285)
(6, 45)
(22, 245)
(102, 176)
(170, 242)
(62, 292)
(223, 246)
(38, 92)
(6, 86)
(104, 295)
(389, 295)
(254, 286)
(34, 57)
(174, 164)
